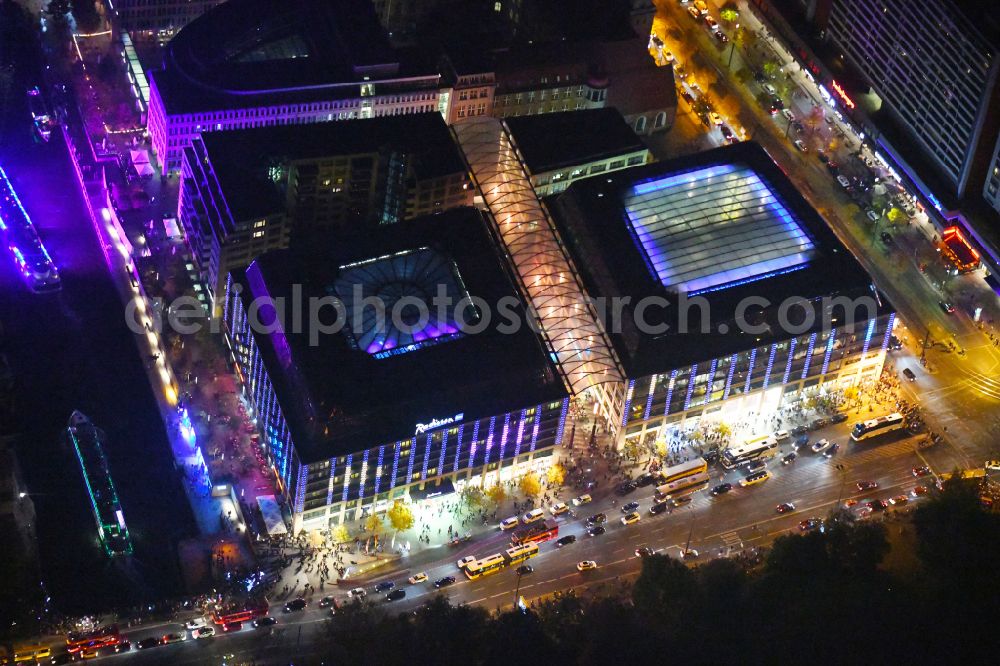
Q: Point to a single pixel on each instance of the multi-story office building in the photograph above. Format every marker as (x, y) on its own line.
(161, 18)
(257, 63)
(244, 192)
(433, 396)
(724, 293)
(559, 148)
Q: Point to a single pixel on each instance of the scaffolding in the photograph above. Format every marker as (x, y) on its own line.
(565, 316)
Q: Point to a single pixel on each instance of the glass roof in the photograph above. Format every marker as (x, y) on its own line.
(390, 302)
(719, 226)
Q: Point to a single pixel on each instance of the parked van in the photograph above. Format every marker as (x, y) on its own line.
(532, 516)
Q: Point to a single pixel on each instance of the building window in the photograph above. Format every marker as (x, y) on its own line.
(640, 127)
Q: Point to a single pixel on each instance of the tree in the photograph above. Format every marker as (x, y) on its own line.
(400, 516)
(771, 69)
(496, 494)
(660, 448)
(473, 496)
(894, 215)
(530, 485)
(374, 523)
(556, 474)
(341, 534)
(729, 14)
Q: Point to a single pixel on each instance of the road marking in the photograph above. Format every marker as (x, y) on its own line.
(731, 539)
(476, 601)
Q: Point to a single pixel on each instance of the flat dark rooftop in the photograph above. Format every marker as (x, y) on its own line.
(339, 397)
(723, 225)
(241, 158)
(554, 140)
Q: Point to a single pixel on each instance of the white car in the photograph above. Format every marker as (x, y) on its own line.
(843, 182)
(586, 565)
(203, 632)
(787, 113)
(872, 215)
(582, 499)
(801, 145)
(509, 523)
(196, 623)
(781, 435)
(771, 90)
(358, 593)
(715, 118)
(417, 578)
(532, 516)
(558, 508)
(821, 446)
(465, 561)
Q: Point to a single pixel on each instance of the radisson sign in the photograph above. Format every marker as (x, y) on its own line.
(437, 423)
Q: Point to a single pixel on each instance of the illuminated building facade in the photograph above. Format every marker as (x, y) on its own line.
(249, 191)
(419, 407)
(160, 18)
(695, 245)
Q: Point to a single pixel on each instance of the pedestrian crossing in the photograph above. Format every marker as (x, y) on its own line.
(731, 539)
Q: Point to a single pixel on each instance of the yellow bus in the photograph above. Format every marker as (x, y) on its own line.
(496, 562)
(28, 654)
(685, 469)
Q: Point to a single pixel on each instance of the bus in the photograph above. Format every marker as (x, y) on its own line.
(224, 616)
(681, 487)
(91, 640)
(876, 427)
(536, 532)
(493, 563)
(689, 468)
(758, 448)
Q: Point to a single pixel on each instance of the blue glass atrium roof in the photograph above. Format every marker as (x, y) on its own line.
(706, 229)
(406, 284)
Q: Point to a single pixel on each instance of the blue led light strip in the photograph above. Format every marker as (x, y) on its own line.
(444, 448)
(888, 331)
(649, 398)
(503, 435)
(458, 448)
(412, 456)
(427, 458)
(534, 428)
(628, 402)
(687, 398)
(489, 440)
(868, 338)
(395, 464)
(364, 473)
(378, 468)
(670, 391)
(755, 278)
(347, 476)
(520, 432)
(753, 361)
(809, 354)
(829, 350)
(300, 488)
(474, 446)
(559, 430)
(788, 364)
(329, 491)
(711, 380)
(729, 376)
(770, 364)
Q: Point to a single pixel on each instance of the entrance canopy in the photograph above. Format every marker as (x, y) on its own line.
(271, 511)
(446, 487)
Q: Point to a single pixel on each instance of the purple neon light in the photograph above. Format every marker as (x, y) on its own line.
(444, 448)
(411, 457)
(753, 359)
(364, 473)
(503, 435)
(427, 457)
(729, 376)
(489, 440)
(649, 398)
(711, 380)
(300, 488)
(562, 424)
(868, 338)
(690, 390)
(628, 402)
(770, 364)
(347, 476)
(809, 355)
(829, 350)
(670, 391)
(267, 315)
(888, 331)
(378, 468)
(520, 432)
(788, 364)
(534, 427)
(472, 448)
(458, 449)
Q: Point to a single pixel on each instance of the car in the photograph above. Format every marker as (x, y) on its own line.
(326, 602)
(839, 417)
(727, 133)
(701, 6)
(509, 523)
(90, 653)
(416, 578)
(799, 127)
(385, 586)
(785, 507)
(582, 499)
(801, 145)
(361, 593)
(295, 605)
(566, 540)
(695, 14)
(823, 157)
(872, 215)
(173, 638)
(809, 524)
(833, 167)
(923, 470)
(787, 113)
(468, 559)
(597, 519)
(630, 507)
(756, 466)
(596, 530)
(843, 182)
(770, 89)
(680, 501)
(444, 582)
(886, 238)
(586, 565)
(558, 509)
(60, 658)
(722, 489)
(395, 595)
(899, 500)
(918, 491)
(721, 36)
(789, 458)
(668, 56)
(821, 446)
(624, 488)
(630, 518)
(773, 107)
(909, 375)
(524, 570)
(196, 623)
(123, 646)
(992, 465)
(658, 508)
(832, 451)
(866, 485)
(947, 307)
(799, 431)
(147, 643)
(754, 479)
(645, 479)
(688, 97)
(266, 621)
(532, 516)
(643, 551)
(877, 505)
(232, 627)
(777, 104)
(800, 441)
(849, 503)
(203, 632)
